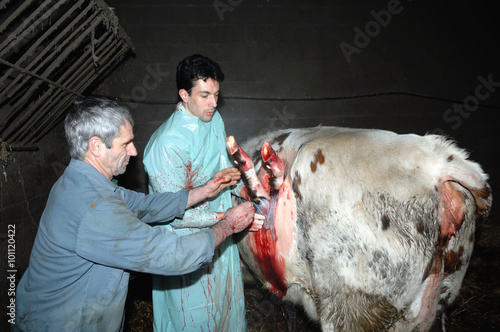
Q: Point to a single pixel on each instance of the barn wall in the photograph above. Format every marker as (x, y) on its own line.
(25, 183)
(406, 66)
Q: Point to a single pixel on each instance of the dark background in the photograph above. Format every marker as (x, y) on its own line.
(285, 67)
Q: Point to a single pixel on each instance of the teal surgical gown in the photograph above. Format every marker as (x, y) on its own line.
(186, 152)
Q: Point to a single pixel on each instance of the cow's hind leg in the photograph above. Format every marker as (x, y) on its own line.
(356, 311)
(290, 316)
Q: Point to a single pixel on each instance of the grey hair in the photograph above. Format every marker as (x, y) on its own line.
(91, 117)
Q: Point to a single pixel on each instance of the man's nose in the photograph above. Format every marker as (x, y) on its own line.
(132, 150)
(213, 101)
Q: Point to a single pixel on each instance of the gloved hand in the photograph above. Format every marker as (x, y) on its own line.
(258, 221)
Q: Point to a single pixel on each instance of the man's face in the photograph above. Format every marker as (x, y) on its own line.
(203, 99)
(115, 160)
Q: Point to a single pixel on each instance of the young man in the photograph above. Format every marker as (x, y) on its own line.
(185, 151)
(93, 231)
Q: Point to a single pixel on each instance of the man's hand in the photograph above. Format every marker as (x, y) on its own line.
(235, 220)
(239, 217)
(222, 179)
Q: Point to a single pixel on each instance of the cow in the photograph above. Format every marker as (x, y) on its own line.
(367, 229)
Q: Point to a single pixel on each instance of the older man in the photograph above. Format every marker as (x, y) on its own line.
(93, 231)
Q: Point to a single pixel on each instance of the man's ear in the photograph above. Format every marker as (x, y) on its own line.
(95, 146)
(184, 95)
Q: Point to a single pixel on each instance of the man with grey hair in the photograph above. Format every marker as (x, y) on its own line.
(92, 231)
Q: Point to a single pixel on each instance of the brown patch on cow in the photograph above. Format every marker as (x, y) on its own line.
(471, 238)
(318, 158)
(385, 222)
(420, 227)
(436, 262)
(427, 269)
(450, 158)
(483, 200)
(453, 261)
(281, 138)
(297, 180)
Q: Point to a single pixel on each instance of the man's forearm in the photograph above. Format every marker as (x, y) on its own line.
(222, 230)
(222, 179)
(197, 195)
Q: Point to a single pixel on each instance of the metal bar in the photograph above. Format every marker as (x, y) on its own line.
(45, 35)
(22, 28)
(42, 78)
(15, 14)
(56, 44)
(105, 40)
(118, 31)
(45, 128)
(28, 114)
(82, 76)
(48, 84)
(53, 66)
(106, 52)
(65, 103)
(75, 72)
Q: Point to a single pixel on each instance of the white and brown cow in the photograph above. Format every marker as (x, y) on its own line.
(367, 229)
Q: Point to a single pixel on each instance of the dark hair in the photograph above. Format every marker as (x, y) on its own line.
(91, 117)
(196, 67)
